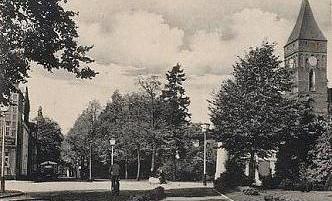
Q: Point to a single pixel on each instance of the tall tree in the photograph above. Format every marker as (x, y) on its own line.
(126, 118)
(250, 110)
(152, 87)
(175, 111)
(41, 32)
(81, 137)
(49, 139)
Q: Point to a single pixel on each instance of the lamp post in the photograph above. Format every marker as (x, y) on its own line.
(3, 109)
(112, 143)
(204, 129)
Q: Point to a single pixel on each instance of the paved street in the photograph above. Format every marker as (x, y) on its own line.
(209, 198)
(99, 190)
(29, 187)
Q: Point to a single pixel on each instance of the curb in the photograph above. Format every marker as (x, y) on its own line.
(229, 199)
(12, 195)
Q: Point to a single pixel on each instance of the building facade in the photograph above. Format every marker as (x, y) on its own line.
(306, 53)
(17, 130)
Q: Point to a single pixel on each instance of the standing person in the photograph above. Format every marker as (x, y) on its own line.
(115, 177)
(162, 176)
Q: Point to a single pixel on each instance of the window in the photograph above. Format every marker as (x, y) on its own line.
(13, 132)
(6, 159)
(312, 80)
(14, 96)
(7, 116)
(7, 130)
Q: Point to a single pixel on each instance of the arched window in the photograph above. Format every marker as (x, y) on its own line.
(312, 80)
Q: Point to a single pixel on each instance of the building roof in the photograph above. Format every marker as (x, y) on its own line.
(306, 26)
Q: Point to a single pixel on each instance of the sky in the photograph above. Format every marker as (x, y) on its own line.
(143, 37)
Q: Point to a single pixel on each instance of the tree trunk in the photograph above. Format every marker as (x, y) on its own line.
(153, 158)
(82, 167)
(175, 168)
(126, 168)
(252, 167)
(138, 164)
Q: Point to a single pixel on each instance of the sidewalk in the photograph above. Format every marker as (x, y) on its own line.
(209, 198)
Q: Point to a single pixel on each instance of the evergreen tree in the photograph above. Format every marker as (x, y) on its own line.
(250, 110)
(176, 114)
(175, 99)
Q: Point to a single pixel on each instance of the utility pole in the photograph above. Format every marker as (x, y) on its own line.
(3, 154)
(3, 109)
(204, 168)
(204, 130)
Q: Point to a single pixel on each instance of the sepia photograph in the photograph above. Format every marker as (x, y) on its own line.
(166, 100)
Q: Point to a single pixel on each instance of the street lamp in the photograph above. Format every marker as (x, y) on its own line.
(3, 110)
(204, 130)
(112, 143)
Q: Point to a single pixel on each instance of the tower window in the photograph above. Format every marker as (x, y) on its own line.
(312, 80)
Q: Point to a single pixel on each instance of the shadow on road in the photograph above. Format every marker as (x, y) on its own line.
(103, 195)
(88, 195)
(191, 192)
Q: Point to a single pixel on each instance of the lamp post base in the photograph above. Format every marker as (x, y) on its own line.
(2, 184)
(204, 180)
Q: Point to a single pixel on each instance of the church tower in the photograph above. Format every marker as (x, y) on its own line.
(306, 52)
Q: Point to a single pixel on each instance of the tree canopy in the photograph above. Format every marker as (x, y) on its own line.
(38, 32)
(250, 110)
(49, 137)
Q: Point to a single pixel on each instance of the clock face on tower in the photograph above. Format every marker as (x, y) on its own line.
(312, 61)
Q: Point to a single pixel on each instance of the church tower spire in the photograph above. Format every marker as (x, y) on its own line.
(306, 52)
(306, 27)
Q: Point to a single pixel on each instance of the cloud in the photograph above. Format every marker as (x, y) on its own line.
(194, 14)
(205, 36)
(64, 99)
(138, 39)
(209, 53)
(150, 36)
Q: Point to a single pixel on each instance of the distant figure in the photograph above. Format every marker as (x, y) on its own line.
(328, 183)
(162, 176)
(115, 177)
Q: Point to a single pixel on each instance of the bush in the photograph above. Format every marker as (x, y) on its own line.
(233, 177)
(277, 198)
(305, 186)
(287, 184)
(153, 195)
(270, 182)
(157, 194)
(224, 182)
(251, 191)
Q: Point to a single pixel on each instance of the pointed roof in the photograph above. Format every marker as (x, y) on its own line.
(306, 26)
